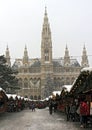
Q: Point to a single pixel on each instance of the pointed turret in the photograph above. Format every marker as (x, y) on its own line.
(25, 57)
(84, 62)
(45, 17)
(7, 55)
(46, 43)
(66, 57)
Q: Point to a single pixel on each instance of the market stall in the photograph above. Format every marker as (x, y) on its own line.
(64, 97)
(3, 100)
(82, 89)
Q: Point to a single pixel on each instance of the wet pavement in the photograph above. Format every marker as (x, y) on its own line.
(38, 120)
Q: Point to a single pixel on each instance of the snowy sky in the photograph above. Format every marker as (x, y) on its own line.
(21, 23)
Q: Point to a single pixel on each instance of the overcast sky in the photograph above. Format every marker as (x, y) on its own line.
(21, 23)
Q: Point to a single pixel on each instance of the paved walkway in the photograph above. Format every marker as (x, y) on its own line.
(38, 120)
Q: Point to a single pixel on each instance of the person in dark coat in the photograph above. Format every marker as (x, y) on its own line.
(67, 111)
(50, 106)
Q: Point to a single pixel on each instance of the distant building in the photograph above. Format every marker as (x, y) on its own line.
(39, 77)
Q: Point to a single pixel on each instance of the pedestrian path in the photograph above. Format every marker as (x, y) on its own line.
(38, 120)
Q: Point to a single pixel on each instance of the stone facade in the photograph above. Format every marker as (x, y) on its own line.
(39, 77)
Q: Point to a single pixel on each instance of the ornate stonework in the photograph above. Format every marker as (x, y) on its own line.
(38, 77)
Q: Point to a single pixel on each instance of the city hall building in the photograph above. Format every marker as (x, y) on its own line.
(38, 77)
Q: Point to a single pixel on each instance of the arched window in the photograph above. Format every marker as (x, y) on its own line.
(62, 81)
(30, 83)
(25, 70)
(26, 96)
(31, 97)
(20, 83)
(67, 81)
(55, 82)
(39, 97)
(46, 55)
(25, 83)
(35, 97)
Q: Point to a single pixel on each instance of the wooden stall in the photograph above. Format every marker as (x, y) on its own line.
(3, 101)
(82, 88)
(83, 85)
(15, 103)
(65, 97)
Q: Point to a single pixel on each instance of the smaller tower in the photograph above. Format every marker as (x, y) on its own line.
(25, 57)
(84, 62)
(66, 57)
(7, 55)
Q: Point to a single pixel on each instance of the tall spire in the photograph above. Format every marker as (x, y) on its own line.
(25, 57)
(46, 43)
(45, 10)
(45, 16)
(7, 55)
(84, 62)
(66, 57)
(46, 52)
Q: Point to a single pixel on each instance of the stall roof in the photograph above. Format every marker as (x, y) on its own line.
(11, 96)
(67, 87)
(56, 92)
(81, 83)
(87, 69)
(2, 90)
(4, 93)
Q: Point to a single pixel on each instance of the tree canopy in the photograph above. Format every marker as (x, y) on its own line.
(8, 80)
(49, 86)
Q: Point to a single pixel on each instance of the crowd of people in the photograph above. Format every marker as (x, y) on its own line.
(52, 106)
(75, 111)
(78, 112)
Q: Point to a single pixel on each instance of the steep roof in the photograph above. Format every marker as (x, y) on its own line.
(37, 63)
(67, 87)
(60, 62)
(82, 83)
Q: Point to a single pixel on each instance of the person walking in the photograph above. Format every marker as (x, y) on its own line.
(50, 106)
(67, 111)
(84, 112)
(55, 105)
(33, 107)
(73, 111)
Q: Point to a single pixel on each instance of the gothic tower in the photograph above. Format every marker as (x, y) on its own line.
(66, 57)
(7, 55)
(84, 62)
(46, 51)
(25, 57)
(46, 44)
